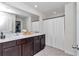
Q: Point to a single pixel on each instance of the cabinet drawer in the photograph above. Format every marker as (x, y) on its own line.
(23, 41)
(9, 44)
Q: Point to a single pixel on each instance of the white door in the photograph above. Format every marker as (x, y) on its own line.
(54, 30)
(51, 32)
(59, 33)
(47, 29)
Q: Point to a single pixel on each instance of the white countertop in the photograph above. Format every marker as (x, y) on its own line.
(15, 36)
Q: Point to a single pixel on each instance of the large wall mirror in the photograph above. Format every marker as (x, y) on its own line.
(12, 22)
(17, 21)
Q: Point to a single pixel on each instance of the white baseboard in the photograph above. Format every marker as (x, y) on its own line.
(68, 52)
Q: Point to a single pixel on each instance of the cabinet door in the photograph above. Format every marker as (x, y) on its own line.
(42, 38)
(0, 54)
(36, 44)
(27, 49)
(12, 51)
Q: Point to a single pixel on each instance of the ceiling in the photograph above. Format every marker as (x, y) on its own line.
(48, 7)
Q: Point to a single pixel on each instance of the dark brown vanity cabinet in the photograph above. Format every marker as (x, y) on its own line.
(11, 49)
(23, 47)
(36, 44)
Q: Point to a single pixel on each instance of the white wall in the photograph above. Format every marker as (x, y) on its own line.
(70, 27)
(54, 15)
(77, 27)
(35, 26)
(29, 24)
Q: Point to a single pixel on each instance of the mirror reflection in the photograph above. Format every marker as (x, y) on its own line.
(12, 23)
(17, 23)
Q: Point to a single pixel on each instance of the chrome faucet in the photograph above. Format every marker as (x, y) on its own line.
(2, 36)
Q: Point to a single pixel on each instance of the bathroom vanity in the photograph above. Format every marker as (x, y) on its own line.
(27, 45)
(13, 44)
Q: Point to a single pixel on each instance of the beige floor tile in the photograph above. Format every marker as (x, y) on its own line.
(50, 51)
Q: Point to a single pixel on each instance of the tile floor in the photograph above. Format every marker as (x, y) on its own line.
(50, 51)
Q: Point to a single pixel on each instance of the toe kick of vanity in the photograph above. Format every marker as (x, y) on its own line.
(23, 47)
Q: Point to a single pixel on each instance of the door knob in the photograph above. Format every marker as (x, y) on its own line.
(77, 47)
(74, 46)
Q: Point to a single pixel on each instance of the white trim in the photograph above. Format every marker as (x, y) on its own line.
(68, 52)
